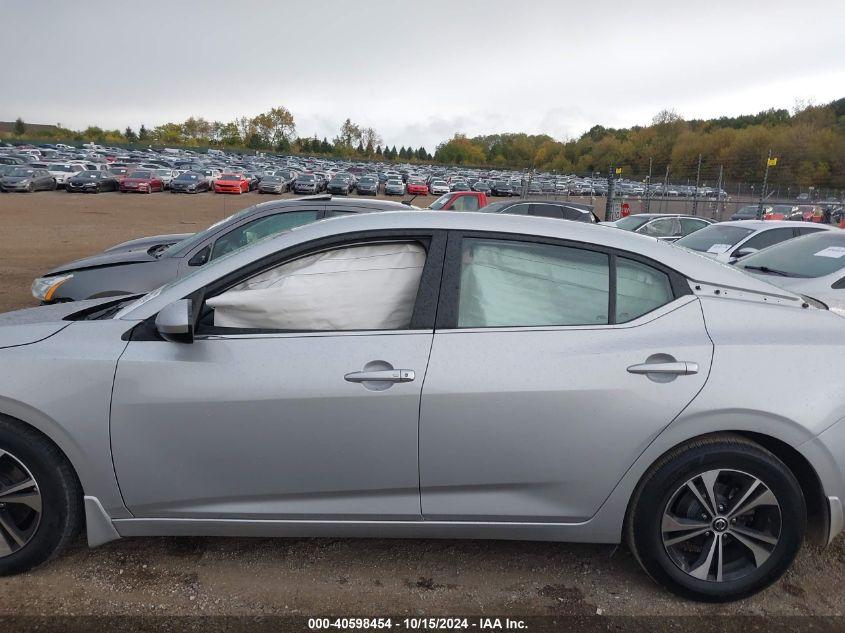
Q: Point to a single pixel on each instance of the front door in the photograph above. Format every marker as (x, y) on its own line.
(298, 399)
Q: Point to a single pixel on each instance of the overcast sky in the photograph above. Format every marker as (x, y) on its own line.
(417, 71)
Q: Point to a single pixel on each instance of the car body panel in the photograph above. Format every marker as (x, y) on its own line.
(535, 408)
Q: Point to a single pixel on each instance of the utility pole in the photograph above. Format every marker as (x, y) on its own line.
(592, 190)
(717, 213)
(763, 190)
(648, 187)
(665, 188)
(608, 205)
(697, 182)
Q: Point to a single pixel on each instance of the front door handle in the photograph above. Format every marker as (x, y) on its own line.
(677, 368)
(385, 375)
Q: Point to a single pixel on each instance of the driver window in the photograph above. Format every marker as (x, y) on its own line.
(362, 287)
(250, 232)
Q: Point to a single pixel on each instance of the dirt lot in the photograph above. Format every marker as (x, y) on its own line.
(338, 576)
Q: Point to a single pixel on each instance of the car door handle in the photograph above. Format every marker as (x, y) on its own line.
(678, 368)
(385, 375)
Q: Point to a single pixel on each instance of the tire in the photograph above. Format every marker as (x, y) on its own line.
(30, 188)
(29, 455)
(688, 561)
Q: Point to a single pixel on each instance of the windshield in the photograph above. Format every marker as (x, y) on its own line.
(631, 223)
(22, 173)
(715, 239)
(230, 177)
(141, 174)
(813, 255)
(88, 175)
(306, 178)
(441, 201)
(65, 168)
(188, 177)
(271, 179)
(196, 238)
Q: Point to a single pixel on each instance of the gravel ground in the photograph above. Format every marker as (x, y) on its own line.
(211, 576)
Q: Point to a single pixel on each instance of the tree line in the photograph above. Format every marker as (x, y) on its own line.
(809, 143)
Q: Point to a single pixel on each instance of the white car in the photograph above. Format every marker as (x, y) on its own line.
(63, 172)
(812, 266)
(166, 175)
(438, 187)
(729, 241)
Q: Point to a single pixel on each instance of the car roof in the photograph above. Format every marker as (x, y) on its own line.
(693, 265)
(772, 224)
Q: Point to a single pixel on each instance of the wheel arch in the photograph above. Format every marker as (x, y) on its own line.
(818, 509)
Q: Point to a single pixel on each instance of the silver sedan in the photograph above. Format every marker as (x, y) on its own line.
(430, 374)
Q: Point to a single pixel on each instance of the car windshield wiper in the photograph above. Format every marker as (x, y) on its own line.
(769, 271)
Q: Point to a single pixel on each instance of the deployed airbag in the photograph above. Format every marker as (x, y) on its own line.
(368, 287)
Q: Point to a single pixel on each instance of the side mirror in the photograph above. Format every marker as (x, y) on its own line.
(200, 258)
(175, 322)
(742, 252)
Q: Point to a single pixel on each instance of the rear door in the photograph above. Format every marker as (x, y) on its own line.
(538, 395)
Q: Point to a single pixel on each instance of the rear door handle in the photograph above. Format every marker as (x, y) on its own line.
(386, 375)
(678, 368)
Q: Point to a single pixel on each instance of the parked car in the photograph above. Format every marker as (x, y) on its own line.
(367, 186)
(165, 175)
(715, 473)
(232, 183)
(416, 187)
(482, 187)
(91, 182)
(812, 266)
(394, 187)
(306, 183)
(459, 201)
(459, 185)
(729, 241)
(62, 172)
(667, 227)
(273, 184)
(501, 188)
(340, 185)
(189, 182)
(784, 212)
(27, 179)
(141, 181)
(557, 209)
(438, 187)
(145, 265)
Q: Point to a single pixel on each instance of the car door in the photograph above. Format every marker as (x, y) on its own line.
(539, 394)
(299, 397)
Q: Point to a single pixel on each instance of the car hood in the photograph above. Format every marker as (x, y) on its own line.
(117, 258)
(144, 244)
(31, 325)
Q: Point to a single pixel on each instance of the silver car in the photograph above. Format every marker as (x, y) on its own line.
(434, 374)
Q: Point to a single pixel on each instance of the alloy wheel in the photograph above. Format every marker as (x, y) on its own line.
(20, 504)
(721, 525)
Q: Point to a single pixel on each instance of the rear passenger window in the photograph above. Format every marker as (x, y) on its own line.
(639, 289)
(769, 238)
(507, 284)
(547, 211)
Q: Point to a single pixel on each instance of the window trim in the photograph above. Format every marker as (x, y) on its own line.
(450, 285)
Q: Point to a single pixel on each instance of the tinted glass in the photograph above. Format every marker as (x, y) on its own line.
(812, 256)
(522, 284)
(769, 238)
(257, 229)
(716, 238)
(691, 226)
(631, 223)
(663, 227)
(547, 211)
(639, 289)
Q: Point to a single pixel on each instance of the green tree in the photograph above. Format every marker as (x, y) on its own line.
(20, 127)
(130, 135)
(143, 134)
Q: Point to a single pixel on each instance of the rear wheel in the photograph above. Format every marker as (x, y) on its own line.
(717, 520)
(40, 499)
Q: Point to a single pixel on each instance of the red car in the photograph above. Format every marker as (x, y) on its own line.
(417, 188)
(811, 213)
(231, 183)
(141, 181)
